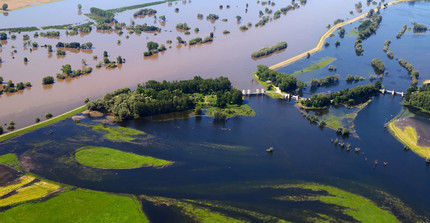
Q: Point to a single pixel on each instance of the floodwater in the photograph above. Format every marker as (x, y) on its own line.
(229, 55)
(214, 158)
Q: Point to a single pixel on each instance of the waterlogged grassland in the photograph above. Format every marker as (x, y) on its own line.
(106, 158)
(23, 181)
(358, 207)
(316, 66)
(12, 161)
(409, 137)
(116, 133)
(35, 191)
(78, 206)
(196, 212)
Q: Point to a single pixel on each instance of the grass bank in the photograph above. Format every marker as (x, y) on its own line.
(358, 207)
(320, 64)
(107, 158)
(408, 137)
(42, 124)
(78, 206)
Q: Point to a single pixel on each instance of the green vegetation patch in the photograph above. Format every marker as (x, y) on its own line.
(358, 207)
(315, 66)
(78, 206)
(21, 29)
(66, 26)
(12, 161)
(116, 133)
(106, 158)
(122, 9)
(23, 180)
(193, 211)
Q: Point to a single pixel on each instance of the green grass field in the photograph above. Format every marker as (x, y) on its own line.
(78, 206)
(358, 207)
(12, 161)
(106, 158)
(320, 64)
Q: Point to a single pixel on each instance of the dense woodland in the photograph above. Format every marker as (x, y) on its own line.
(366, 29)
(350, 97)
(285, 82)
(418, 97)
(155, 97)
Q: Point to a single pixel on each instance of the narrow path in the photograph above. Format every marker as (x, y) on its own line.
(321, 41)
(42, 124)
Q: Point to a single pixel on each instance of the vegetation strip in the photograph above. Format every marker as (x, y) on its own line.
(107, 158)
(358, 207)
(42, 124)
(321, 41)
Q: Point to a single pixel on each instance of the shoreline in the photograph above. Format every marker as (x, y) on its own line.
(27, 5)
(39, 125)
(326, 35)
(406, 140)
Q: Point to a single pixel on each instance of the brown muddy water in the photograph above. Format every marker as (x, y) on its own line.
(228, 55)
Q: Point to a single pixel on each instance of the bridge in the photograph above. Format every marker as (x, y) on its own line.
(262, 91)
(392, 92)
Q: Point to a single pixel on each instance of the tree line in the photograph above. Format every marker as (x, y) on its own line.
(285, 82)
(418, 97)
(269, 50)
(155, 97)
(366, 29)
(350, 97)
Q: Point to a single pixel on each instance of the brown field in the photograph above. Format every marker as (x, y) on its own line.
(20, 4)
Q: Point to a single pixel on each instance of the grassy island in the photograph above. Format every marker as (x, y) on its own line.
(106, 158)
(117, 133)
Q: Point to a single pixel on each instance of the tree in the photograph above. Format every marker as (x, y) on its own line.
(37, 120)
(67, 69)
(152, 46)
(79, 6)
(48, 80)
(4, 7)
(163, 18)
(105, 54)
(48, 115)
(238, 18)
(378, 66)
(1, 130)
(119, 60)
